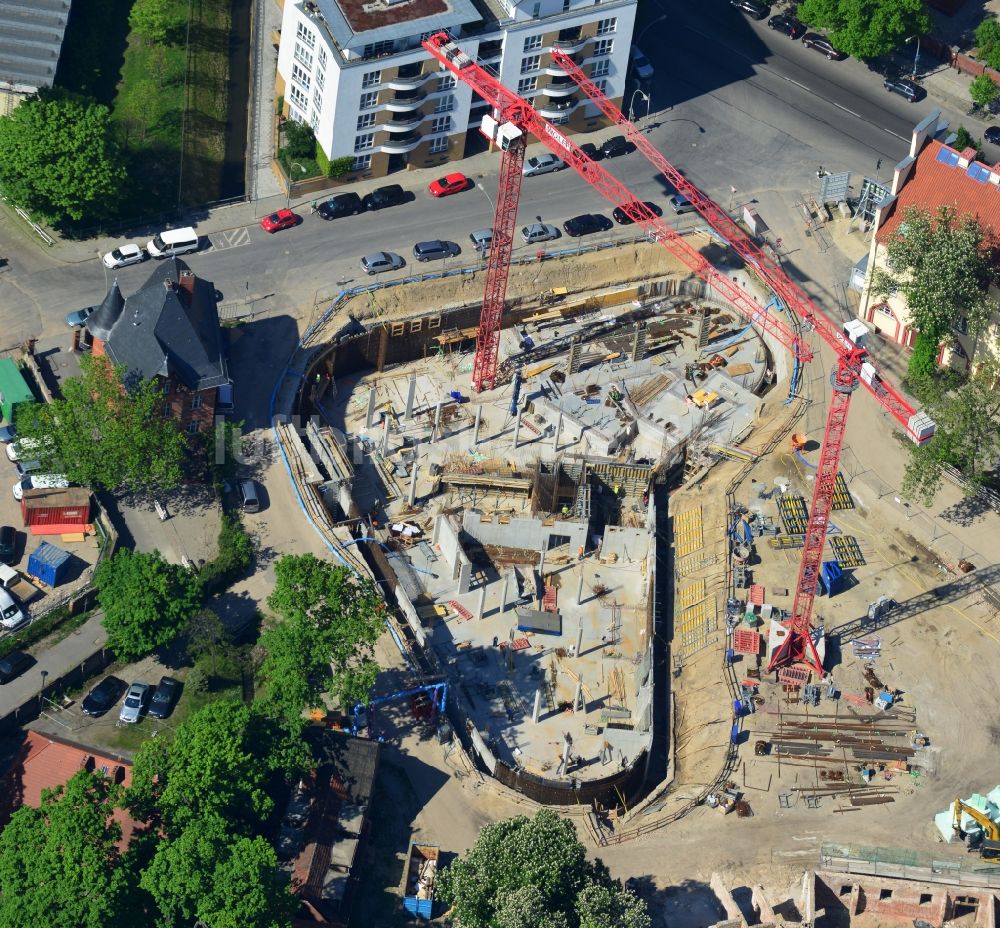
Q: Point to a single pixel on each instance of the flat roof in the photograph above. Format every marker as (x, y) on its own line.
(32, 39)
(353, 22)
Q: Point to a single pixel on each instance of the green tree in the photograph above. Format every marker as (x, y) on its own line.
(146, 601)
(326, 640)
(532, 872)
(217, 763)
(205, 873)
(988, 41)
(939, 264)
(209, 640)
(867, 28)
(299, 139)
(964, 139)
(59, 864)
(982, 90)
(58, 159)
(152, 20)
(107, 432)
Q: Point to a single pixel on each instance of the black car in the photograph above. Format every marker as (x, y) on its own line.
(103, 696)
(164, 698)
(910, 90)
(345, 204)
(381, 197)
(586, 223)
(14, 664)
(787, 25)
(753, 8)
(615, 146)
(8, 544)
(623, 218)
(592, 151)
(823, 45)
(992, 135)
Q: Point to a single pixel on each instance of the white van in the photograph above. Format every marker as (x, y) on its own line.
(173, 242)
(11, 615)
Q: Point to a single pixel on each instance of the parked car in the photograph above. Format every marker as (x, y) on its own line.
(11, 614)
(680, 204)
(449, 184)
(592, 151)
(124, 255)
(787, 25)
(481, 240)
(539, 232)
(615, 146)
(380, 261)
(8, 544)
(823, 45)
(24, 448)
(909, 90)
(344, 204)
(586, 223)
(135, 702)
(14, 664)
(39, 482)
(753, 8)
(381, 197)
(435, 250)
(8, 432)
(79, 316)
(991, 135)
(282, 219)
(641, 67)
(623, 218)
(103, 696)
(164, 697)
(542, 164)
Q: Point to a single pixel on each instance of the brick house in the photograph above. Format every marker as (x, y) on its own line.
(168, 330)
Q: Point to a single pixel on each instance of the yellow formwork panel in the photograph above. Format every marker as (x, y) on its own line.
(688, 532)
(693, 593)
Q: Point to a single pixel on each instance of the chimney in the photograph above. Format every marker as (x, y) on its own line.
(87, 763)
(186, 281)
(966, 157)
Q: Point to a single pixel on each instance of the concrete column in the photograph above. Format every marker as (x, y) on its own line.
(370, 420)
(481, 606)
(435, 435)
(517, 429)
(479, 417)
(412, 498)
(578, 700)
(464, 578)
(536, 713)
(503, 595)
(579, 638)
(385, 434)
(411, 392)
(555, 446)
(579, 589)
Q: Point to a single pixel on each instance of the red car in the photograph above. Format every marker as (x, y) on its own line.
(446, 186)
(282, 219)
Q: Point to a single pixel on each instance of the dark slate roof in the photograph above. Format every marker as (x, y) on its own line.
(100, 324)
(163, 331)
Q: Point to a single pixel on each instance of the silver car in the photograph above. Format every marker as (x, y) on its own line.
(539, 232)
(481, 240)
(380, 261)
(543, 164)
(135, 702)
(124, 255)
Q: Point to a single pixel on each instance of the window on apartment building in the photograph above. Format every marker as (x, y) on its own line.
(601, 85)
(607, 26)
(320, 77)
(446, 82)
(530, 63)
(445, 104)
(532, 42)
(165, 410)
(600, 69)
(438, 145)
(299, 99)
(300, 76)
(526, 85)
(166, 387)
(368, 100)
(196, 401)
(371, 79)
(441, 124)
(364, 142)
(603, 48)
(366, 121)
(306, 34)
(317, 99)
(321, 57)
(379, 48)
(362, 163)
(300, 54)
(536, 11)
(314, 120)
(192, 428)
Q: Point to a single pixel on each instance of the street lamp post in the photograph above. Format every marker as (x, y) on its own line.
(489, 199)
(292, 164)
(916, 57)
(631, 103)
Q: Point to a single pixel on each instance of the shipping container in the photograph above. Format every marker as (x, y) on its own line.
(54, 511)
(49, 564)
(419, 879)
(14, 390)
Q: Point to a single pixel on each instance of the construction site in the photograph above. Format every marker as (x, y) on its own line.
(593, 503)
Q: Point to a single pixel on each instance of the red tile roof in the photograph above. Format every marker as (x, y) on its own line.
(44, 762)
(934, 183)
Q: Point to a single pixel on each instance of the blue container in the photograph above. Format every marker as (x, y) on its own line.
(49, 564)
(833, 577)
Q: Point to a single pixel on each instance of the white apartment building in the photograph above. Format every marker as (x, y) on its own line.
(355, 71)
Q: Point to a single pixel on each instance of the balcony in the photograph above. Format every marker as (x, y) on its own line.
(571, 41)
(409, 76)
(490, 51)
(554, 70)
(405, 102)
(401, 145)
(552, 109)
(402, 125)
(559, 87)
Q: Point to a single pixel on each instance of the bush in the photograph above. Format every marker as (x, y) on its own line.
(964, 139)
(234, 557)
(299, 140)
(983, 91)
(340, 167)
(196, 681)
(923, 363)
(988, 42)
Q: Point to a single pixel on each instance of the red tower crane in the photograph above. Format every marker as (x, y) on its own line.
(513, 116)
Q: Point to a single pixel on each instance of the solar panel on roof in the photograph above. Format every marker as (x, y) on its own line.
(978, 172)
(947, 156)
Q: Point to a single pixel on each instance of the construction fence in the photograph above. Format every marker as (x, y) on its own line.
(900, 863)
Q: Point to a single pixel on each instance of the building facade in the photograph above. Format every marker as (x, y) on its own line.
(356, 72)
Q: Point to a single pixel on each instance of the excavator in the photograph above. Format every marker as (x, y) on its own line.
(989, 848)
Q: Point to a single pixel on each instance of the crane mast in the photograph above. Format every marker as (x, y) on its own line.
(514, 116)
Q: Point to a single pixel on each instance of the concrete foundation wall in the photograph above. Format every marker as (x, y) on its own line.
(446, 538)
(530, 533)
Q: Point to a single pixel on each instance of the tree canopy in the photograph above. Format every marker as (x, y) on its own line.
(59, 864)
(983, 91)
(939, 263)
(867, 28)
(152, 20)
(107, 432)
(146, 601)
(532, 873)
(58, 158)
(325, 641)
(988, 41)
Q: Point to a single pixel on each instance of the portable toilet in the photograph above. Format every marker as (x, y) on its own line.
(49, 564)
